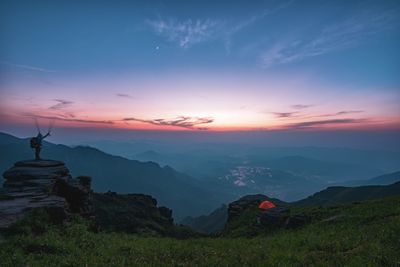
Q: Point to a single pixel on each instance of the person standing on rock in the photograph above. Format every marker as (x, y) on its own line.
(36, 143)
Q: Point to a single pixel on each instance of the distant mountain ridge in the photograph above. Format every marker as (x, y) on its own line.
(340, 195)
(184, 194)
(171, 188)
(239, 169)
(385, 179)
(334, 195)
(310, 166)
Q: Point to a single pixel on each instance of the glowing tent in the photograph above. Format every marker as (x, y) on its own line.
(266, 205)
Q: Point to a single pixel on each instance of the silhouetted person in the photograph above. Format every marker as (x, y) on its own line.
(36, 143)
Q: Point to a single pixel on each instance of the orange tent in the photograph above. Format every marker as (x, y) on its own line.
(266, 205)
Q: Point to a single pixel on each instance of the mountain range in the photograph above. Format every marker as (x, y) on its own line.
(185, 195)
(336, 195)
(288, 173)
(331, 196)
(213, 178)
(385, 179)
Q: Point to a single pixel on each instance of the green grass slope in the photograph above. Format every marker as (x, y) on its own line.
(359, 234)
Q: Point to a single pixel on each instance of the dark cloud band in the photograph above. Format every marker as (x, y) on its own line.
(181, 121)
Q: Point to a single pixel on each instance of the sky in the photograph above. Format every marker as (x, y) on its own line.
(200, 66)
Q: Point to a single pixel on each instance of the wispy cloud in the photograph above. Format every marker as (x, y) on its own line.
(343, 112)
(346, 34)
(62, 118)
(61, 104)
(310, 124)
(300, 106)
(124, 95)
(236, 27)
(26, 67)
(284, 114)
(253, 19)
(299, 115)
(186, 33)
(181, 121)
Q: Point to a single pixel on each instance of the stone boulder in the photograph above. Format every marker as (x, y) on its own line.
(275, 217)
(77, 193)
(33, 177)
(166, 213)
(280, 217)
(236, 208)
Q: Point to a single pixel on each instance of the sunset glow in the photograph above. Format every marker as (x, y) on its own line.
(175, 72)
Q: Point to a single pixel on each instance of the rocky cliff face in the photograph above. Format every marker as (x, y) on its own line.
(236, 208)
(245, 218)
(46, 184)
(131, 213)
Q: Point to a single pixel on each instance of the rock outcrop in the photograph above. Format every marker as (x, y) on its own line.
(131, 213)
(46, 184)
(236, 208)
(273, 217)
(280, 217)
(258, 220)
(78, 194)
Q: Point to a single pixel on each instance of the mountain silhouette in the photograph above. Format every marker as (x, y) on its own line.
(340, 194)
(335, 195)
(185, 195)
(385, 179)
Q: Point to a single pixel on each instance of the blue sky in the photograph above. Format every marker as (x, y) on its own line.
(105, 36)
(201, 65)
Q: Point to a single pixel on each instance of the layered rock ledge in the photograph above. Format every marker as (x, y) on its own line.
(46, 184)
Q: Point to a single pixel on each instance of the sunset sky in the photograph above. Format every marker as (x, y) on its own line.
(200, 65)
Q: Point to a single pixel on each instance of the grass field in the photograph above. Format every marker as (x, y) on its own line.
(360, 234)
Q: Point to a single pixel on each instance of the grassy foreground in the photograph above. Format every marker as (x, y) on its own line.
(362, 234)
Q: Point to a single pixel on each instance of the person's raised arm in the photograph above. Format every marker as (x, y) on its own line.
(46, 135)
